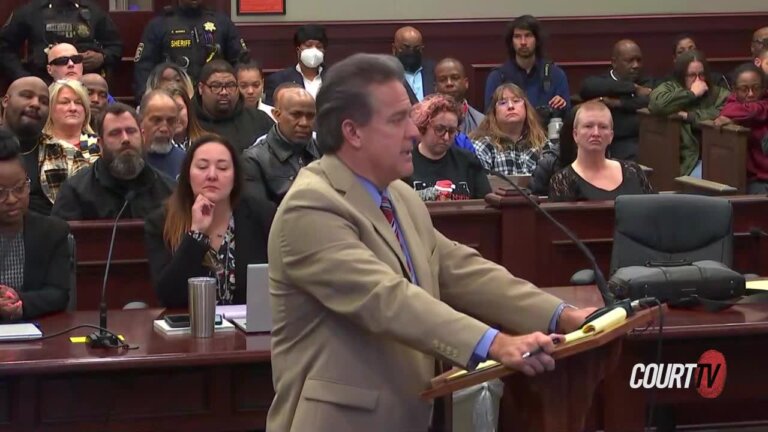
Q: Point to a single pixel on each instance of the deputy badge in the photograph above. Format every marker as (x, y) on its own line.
(82, 30)
(139, 50)
(209, 27)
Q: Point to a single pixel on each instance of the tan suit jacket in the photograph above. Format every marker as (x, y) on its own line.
(354, 341)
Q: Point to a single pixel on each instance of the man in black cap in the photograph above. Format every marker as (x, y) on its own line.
(44, 23)
(189, 35)
(311, 42)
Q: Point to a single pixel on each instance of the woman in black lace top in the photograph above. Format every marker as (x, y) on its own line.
(593, 177)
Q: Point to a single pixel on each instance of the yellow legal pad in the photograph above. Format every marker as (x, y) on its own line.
(612, 319)
(84, 339)
(759, 284)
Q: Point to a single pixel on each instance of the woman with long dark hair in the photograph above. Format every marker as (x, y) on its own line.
(194, 235)
(693, 96)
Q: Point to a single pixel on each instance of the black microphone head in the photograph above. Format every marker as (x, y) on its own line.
(130, 195)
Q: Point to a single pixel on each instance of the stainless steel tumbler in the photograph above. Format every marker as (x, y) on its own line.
(202, 306)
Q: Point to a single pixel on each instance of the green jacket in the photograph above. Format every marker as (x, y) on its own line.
(670, 98)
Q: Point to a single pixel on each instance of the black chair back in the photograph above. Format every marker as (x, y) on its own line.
(670, 227)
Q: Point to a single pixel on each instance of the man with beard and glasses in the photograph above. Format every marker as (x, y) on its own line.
(624, 90)
(544, 83)
(100, 191)
(220, 108)
(48, 162)
(271, 164)
(160, 114)
(419, 73)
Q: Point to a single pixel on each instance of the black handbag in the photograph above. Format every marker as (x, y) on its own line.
(680, 283)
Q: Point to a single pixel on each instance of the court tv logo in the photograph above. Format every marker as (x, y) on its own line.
(707, 375)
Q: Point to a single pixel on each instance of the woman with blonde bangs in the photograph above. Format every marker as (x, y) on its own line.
(510, 139)
(188, 128)
(69, 118)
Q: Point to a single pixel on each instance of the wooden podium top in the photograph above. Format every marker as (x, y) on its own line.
(442, 385)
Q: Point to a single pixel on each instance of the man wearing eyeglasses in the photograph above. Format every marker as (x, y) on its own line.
(220, 107)
(45, 23)
(419, 73)
(34, 257)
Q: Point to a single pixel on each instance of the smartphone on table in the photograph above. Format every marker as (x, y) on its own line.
(182, 320)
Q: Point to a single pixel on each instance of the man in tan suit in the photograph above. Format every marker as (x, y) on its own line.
(365, 293)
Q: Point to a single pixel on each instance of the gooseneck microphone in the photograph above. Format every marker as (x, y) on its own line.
(608, 297)
(102, 338)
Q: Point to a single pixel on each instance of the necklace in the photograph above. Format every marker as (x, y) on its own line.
(30, 151)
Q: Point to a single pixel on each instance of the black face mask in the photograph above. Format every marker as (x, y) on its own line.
(411, 60)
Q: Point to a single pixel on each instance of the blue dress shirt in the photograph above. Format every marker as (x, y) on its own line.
(417, 85)
(480, 353)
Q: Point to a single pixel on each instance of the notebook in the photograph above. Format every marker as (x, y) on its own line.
(163, 327)
(17, 332)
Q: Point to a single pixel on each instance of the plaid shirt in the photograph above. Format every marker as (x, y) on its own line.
(89, 147)
(517, 158)
(12, 261)
(57, 162)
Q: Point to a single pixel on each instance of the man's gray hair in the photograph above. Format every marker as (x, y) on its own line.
(344, 94)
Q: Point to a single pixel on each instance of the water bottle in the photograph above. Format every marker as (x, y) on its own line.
(553, 129)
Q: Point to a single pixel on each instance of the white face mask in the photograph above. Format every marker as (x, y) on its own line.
(312, 57)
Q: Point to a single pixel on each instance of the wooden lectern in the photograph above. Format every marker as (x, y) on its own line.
(555, 401)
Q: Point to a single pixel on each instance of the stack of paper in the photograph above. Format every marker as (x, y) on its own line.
(163, 327)
(19, 332)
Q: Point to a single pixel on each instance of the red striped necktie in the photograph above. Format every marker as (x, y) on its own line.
(389, 213)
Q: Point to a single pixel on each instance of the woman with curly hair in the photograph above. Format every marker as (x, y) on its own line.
(442, 171)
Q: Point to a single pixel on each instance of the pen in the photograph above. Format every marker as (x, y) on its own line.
(539, 350)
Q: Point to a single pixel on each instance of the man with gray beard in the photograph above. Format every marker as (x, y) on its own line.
(121, 175)
(159, 116)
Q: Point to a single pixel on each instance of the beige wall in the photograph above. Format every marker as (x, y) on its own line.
(352, 10)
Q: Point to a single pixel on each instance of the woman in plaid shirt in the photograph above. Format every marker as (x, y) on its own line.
(69, 118)
(510, 139)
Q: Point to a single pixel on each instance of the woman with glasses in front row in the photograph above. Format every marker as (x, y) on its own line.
(441, 170)
(34, 256)
(510, 139)
(692, 95)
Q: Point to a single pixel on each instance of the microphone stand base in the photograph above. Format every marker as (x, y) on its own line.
(103, 340)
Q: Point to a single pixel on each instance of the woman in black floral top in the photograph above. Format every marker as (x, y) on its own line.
(510, 139)
(592, 176)
(209, 227)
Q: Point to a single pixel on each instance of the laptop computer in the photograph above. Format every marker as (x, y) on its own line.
(258, 315)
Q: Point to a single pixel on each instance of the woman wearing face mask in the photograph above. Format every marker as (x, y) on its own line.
(310, 41)
(209, 227)
(693, 96)
(748, 106)
(69, 118)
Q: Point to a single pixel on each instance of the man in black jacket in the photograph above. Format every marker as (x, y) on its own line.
(34, 258)
(624, 91)
(120, 177)
(220, 107)
(44, 23)
(272, 163)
